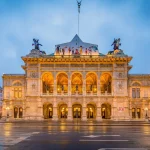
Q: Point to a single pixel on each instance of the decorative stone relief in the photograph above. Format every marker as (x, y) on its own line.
(120, 75)
(120, 85)
(33, 86)
(6, 83)
(33, 74)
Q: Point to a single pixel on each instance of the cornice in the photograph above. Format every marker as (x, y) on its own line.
(85, 59)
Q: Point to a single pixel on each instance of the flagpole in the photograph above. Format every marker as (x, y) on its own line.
(78, 23)
(79, 4)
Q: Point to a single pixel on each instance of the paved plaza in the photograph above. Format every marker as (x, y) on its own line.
(75, 135)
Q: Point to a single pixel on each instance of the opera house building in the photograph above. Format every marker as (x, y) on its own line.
(76, 81)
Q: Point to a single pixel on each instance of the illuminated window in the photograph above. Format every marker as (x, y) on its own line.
(17, 92)
(135, 92)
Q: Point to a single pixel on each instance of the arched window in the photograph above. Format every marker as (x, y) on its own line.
(48, 83)
(105, 83)
(91, 83)
(76, 83)
(20, 112)
(62, 83)
(136, 90)
(17, 90)
(15, 112)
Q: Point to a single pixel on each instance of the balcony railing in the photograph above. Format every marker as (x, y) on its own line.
(105, 94)
(77, 94)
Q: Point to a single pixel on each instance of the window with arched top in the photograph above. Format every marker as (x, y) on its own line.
(48, 83)
(62, 83)
(17, 87)
(91, 83)
(76, 83)
(105, 83)
(136, 90)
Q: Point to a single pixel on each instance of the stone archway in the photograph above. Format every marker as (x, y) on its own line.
(77, 110)
(106, 111)
(48, 111)
(91, 111)
(62, 111)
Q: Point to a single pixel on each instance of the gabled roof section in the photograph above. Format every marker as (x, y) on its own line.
(76, 38)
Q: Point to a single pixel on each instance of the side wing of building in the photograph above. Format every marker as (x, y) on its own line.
(13, 95)
(139, 95)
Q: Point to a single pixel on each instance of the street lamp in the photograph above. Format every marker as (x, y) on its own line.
(146, 112)
(7, 108)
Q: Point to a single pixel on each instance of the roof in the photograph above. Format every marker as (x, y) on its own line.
(76, 46)
(14, 75)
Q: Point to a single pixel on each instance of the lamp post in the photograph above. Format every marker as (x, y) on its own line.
(7, 108)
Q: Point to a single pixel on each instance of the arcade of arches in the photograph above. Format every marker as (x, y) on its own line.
(77, 111)
(76, 84)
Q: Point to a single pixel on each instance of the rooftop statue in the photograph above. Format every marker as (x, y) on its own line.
(36, 44)
(116, 43)
(79, 4)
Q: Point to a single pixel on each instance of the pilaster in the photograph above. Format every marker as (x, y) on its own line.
(84, 117)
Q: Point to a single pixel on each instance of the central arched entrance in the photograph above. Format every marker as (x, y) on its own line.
(106, 111)
(91, 111)
(63, 111)
(77, 110)
(47, 111)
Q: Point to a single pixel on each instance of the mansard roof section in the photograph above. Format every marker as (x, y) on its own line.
(76, 47)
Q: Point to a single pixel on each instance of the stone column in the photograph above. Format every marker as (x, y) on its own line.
(69, 118)
(98, 116)
(55, 114)
(130, 110)
(98, 84)
(135, 112)
(69, 83)
(55, 86)
(40, 109)
(114, 110)
(84, 117)
(84, 83)
(39, 90)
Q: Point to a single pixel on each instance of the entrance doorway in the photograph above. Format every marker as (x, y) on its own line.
(90, 111)
(106, 111)
(133, 113)
(77, 111)
(48, 111)
(138, 113)
(63, 111)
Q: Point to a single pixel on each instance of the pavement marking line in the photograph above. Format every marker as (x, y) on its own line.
(104, 140)
(94, 136)
(12, 141)
(123, 149)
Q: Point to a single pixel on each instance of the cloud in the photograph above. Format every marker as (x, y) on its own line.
(56, 22)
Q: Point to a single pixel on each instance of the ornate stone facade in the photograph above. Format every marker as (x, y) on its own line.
(86, 86)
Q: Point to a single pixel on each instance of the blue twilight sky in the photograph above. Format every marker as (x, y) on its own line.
(55, 22)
